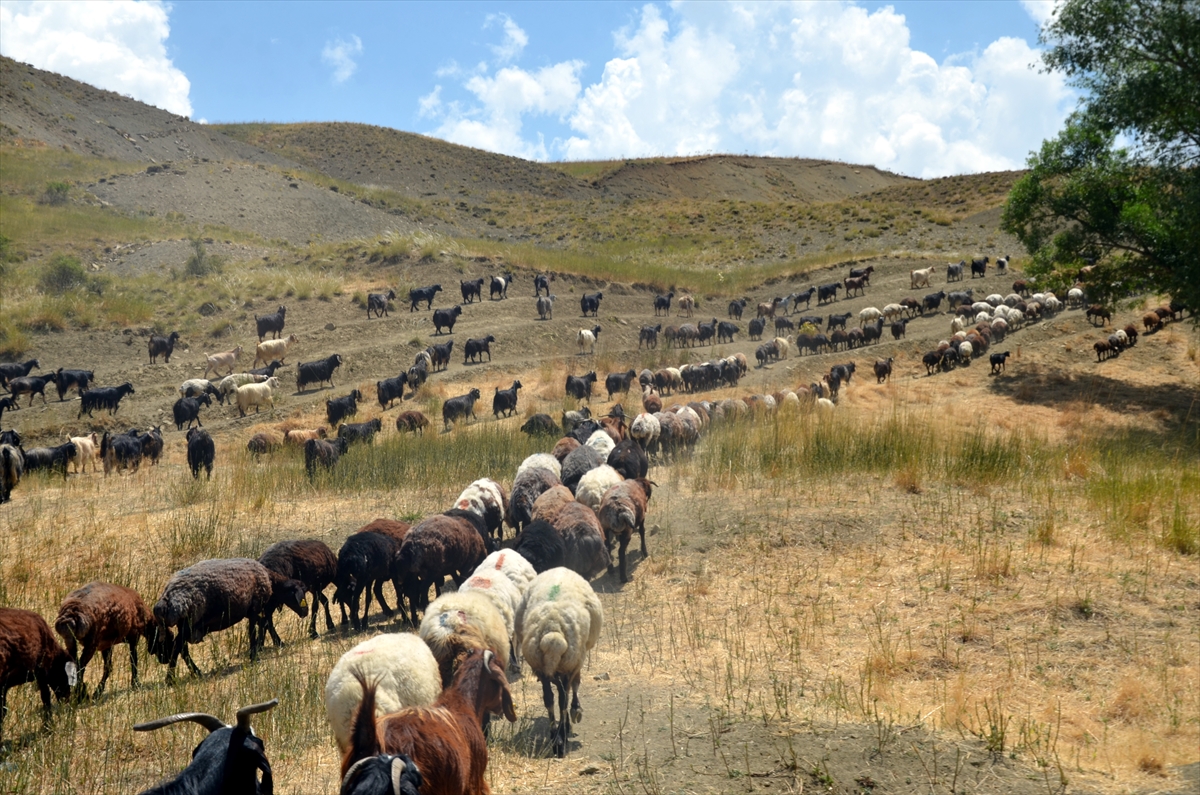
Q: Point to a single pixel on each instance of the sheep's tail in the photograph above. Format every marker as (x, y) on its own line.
(553, 646)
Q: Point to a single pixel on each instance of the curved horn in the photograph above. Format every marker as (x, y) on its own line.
(209, 722)
(397, 769)
(243, 714)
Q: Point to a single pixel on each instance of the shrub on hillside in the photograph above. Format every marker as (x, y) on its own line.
(62, 274)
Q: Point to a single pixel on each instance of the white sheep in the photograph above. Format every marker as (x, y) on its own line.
(456, 623)
(500, 591)
(257, 395)
(958, 324)
(269, 350)
(541, 461)
(869, 315)
(645, 430)
(824, 404)
(1012, 299)
(1075, 297)
(224, 360)
(965, 352)
(228, 385)
(594, 483)
(601, 442)
(558, 624)
(406, 672)
(983, 317)
(486, 499)
(512, 565)
(981, 306)
(995, 299)
(892, 312)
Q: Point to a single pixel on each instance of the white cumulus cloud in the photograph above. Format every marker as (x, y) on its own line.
(1040, 10)
(119, 46)
(807, 79)
(515, 38)
(339, 55)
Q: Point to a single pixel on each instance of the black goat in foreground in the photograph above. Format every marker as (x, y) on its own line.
(226, 762)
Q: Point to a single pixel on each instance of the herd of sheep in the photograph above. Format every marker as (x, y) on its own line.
(409, 710)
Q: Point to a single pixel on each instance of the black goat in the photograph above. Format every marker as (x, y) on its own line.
(499, 286)
(472, 290)
(152, 444)
(828, 292)
(425, 294)
(390, 389)
(474, 349)
(979, 267)
(187, 410)
(580, 386)
(662, 303)
(72, 379)
(104, 397)
(51, 458)
(271, 324)
(439, 355)
(317, 372)
(31, 385)
(649, 336)
(339, 409)
(323, 452)
(590, 302)
(121, 451)
(459, 407)
(446, 317)
(757, 325)
(11, 370)
(360, 431)
(226, 762)
(726, 330)
(163, 346)
(269, 370)
(377, 303)
(200, 452)
(805, 296)
(505, 401)
(933, 301)
(540, 282)
(618, 383)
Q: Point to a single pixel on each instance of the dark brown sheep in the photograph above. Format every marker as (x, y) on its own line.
(623, 510)
(563, 448)
(98, 617)
(29, 653)
(435, 547)
(312, 563)
(583, 538)
(392, 528)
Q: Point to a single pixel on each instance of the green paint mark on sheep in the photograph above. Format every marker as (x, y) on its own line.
(554, 589)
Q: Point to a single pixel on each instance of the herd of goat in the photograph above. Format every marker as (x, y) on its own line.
(527, 598)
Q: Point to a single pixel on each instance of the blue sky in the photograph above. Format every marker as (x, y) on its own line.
(925, 88)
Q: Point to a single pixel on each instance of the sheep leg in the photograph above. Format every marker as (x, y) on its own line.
(187, 658)
(562, 736)
(268, 625)
(383, 605)
(548, 697)
(133, 663)
(106, 656)
(642, 534)
(43, 684)
(354, 603)
(576, 709)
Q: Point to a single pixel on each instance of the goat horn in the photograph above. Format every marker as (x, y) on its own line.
(243, 714)
(209, 722)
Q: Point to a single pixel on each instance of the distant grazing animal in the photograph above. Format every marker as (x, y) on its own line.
(540, 425)
(339, 409)
(590, 303)
(269, 350)
(446, 317)
(163, 346)
(1002, 263)
(587, 339)
(360, 431)
(472, 290)
(439, 355)
(1097, 311)
(13, 370)
(88, 449)
(1151, 321)
(998, 360)
(152, 444)
(411, 422)
(580, 387)
(187, 410)
(855, 285)
(222, 361)
(31, 385)
(662, 303)
(104, 397)
(545, 307)
(270, 369)
(323, 452)
(920, 277)
(649, 336)
(12, 466)
(828, 292)
(271, 324)
(200, 452)
(979, 267)
(806, 295)
(377, 303)
(50, 458)
(499, 286)
(425, 294)
(317, 372)
(257, 395)
(461, 407)
(618, 383)
(883, 370)
(474, 349)
(736, 307)
(687, 304)
(390, 389)
(505, 400)
(540, 282)
(954, 271)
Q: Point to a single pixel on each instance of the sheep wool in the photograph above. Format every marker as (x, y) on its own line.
(406, 672)
(541, 461)
(594, 483)
(456, 623)
(512, 565)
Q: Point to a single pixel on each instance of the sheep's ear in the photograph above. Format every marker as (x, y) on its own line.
(72, 674)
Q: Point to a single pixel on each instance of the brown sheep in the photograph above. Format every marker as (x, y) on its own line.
(623, 510)
(1152, 321)
(29, 653)
(301, 437)
(564, 447)
(580, 530)
(391, 528)
(98, 617)
(411, 422)
(310, 562)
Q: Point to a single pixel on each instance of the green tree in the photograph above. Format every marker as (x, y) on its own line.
(56, 193)
(1119, 187)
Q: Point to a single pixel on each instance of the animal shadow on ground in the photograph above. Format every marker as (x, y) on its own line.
(1056, 388)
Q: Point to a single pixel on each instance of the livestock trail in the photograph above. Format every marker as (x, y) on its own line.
(955, 566)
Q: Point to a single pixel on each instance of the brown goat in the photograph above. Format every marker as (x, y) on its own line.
(564, 447)
(445, 740)
(301, 437)
(29, 653)
(411, 422)
(98, 617)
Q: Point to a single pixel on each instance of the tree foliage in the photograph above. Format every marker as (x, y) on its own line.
(1119, 187)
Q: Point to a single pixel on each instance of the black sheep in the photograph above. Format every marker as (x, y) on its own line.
(541, 545)
(363, 565)
(540, 425)
(310, 562)
(323, 452)
(200, 452)
(629, 459)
